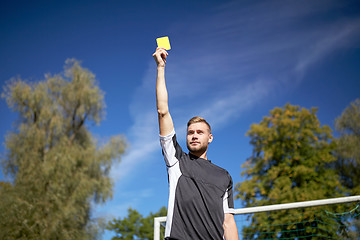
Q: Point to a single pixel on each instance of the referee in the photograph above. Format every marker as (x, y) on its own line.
(200, 193)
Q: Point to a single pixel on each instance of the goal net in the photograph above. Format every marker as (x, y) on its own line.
(335, 218)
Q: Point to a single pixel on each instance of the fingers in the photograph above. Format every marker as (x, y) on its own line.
(160, 48)
(160, 56)
(161, 52)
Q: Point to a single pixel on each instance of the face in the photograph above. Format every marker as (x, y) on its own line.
(198, 138)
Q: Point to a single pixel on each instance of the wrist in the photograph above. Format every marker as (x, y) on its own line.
(161, 68)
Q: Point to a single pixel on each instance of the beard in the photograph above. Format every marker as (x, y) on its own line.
(197, 149)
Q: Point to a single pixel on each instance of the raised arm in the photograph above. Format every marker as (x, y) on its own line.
(166, 125)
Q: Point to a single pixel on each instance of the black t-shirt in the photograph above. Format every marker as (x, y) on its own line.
(200, 193)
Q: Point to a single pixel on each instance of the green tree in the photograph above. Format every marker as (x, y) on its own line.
(58, 168)
(348, 151)
(289, 163)
(135, 226)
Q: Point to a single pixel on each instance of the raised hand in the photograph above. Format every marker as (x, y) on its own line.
(160, 56)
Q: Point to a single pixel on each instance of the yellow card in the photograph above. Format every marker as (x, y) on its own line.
(163, 42)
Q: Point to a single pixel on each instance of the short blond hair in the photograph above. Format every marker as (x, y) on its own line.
(197, 120)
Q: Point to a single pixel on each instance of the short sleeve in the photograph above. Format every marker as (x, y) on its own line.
(228, 199)
(168, 148)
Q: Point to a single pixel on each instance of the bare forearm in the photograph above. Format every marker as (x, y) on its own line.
(161, 93)
(230, 228)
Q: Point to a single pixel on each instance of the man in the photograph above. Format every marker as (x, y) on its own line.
(200, 193)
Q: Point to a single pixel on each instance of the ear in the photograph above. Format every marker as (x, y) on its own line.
(211, 137)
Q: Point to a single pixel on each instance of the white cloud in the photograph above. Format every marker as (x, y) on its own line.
(339, 36)
(227, 107)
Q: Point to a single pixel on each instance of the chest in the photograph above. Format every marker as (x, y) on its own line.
(205, 173)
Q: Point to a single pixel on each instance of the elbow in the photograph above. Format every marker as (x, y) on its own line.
(162, 112)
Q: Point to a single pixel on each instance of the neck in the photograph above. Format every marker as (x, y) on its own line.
(200, 154)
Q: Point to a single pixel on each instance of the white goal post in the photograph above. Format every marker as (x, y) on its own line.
(276, 207)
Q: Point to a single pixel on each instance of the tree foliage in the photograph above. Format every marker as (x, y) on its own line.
(348, 153)
(289, 163)
(58, 168)
(135, 226)
(348, 150)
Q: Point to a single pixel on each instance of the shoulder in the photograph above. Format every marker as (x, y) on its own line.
(168, 137)
(220, 168)
(170, 147)
(168, 140)
(224, 172)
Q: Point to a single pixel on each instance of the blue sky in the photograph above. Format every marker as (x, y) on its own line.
(231, 62)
